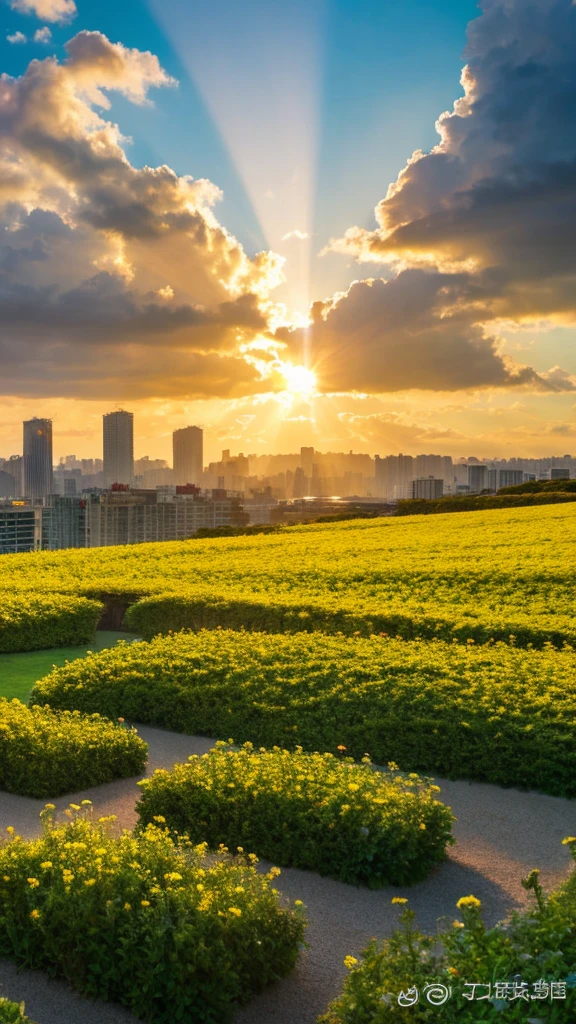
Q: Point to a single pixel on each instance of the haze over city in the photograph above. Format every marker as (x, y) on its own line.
(332, 224)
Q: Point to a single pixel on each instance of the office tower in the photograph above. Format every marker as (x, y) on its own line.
(188, 451)
(20, 527)
(394, 475)
(118, 448)
(7, 485)
(429, 488)
(477, 478)
(307, 460)
(38, 481)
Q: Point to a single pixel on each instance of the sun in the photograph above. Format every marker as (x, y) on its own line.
(300, 381)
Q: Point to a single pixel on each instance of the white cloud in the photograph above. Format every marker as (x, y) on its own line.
(300, 235)
(17, 37)
(47, 10)
(43, 35)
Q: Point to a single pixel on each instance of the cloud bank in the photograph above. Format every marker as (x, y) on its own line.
(488, 216)
(107, 269)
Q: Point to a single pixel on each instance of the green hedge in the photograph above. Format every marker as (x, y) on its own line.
(47, 753)
(13, 1013)
(480, 502)
(168, 932)
(30, 622)
(493, 713)
(405, 618)
(311, 811)
(531, 952)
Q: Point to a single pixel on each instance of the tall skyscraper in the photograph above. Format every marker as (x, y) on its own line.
(188, 451)
(37, 464)
(118, 448)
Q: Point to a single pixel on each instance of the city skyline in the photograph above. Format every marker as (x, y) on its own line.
(346, 225)
(194, 438)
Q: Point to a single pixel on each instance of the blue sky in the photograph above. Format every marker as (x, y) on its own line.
(381, 73)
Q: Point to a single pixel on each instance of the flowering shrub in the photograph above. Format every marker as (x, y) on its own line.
(46, 753)
(12, 1013)
(411, 576)
(30, 622)
(493, 713)
(522, 970)
(302, 810)
(143, 921)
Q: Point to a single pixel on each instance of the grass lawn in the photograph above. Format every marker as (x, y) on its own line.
(19, 672)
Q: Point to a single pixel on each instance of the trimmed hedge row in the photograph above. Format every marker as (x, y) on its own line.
(47, 753)
(479, 502)
(160, 928)
(30, 622)
(13, 1013)
(311, 811)
(493, 713)
(524, 969)
(167, 613)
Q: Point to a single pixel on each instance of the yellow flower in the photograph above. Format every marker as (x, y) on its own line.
(159, 818)
(127, 906)
(90, 881)
(350, 962)
(33, 883)
(235, 910)
(46, 864)
(10, 829)
(144, 903)
(6, 878)
(568, 840)
(422, 826)
(75, 807)
(173, 876)
(458, 924)
(399, 899)
(468, 902)
(86, 803)
(298, 903)
(34, 914)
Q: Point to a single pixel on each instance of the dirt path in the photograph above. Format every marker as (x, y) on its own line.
(501, 834)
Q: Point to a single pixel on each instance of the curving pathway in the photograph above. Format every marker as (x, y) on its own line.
(501, 834)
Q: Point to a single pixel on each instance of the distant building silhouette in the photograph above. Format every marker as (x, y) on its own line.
(118, 448)
(38, 482)
(188, 455)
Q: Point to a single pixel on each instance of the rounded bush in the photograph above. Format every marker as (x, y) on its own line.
(157, 926)
(45, 752)
(32, 622)
(313, 811)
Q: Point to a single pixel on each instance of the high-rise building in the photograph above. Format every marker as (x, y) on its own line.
(188, 452)
(118, 448)
(307, 460)
(429, 488)
(394, 476)
(20, 527)
(477, 478)
(38, 482)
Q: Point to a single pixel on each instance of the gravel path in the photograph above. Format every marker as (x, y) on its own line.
(501, 834)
